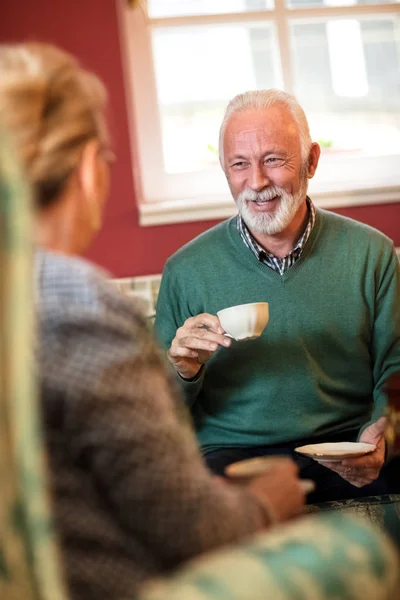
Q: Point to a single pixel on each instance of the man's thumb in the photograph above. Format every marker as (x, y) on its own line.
(374, 432)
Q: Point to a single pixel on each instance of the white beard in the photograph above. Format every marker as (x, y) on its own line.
(276, 222)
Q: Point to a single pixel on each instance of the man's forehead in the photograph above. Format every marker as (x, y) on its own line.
(245, 135)
(272, 121)
(285, 133)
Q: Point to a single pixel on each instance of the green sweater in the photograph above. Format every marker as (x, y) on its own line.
(332, 339)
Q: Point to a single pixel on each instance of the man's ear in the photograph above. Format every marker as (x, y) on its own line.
(313, 159)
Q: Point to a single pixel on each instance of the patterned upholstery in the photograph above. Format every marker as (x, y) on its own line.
(336, 558)
(315, 558)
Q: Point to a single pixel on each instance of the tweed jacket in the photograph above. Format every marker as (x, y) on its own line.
(131, 496)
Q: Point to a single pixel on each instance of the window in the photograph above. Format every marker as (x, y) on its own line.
(187, 58)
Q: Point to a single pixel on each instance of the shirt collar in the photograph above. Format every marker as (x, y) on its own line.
(259, 251)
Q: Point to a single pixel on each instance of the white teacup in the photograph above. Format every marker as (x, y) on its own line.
(244, 471)
(244, 321)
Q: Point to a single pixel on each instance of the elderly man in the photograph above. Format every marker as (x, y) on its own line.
(333, 287)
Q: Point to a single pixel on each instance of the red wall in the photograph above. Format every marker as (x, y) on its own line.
(89, 29)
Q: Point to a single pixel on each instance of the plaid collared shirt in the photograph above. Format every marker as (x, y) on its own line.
(274, 262)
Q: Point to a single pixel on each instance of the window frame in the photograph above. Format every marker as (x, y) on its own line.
(162, 197)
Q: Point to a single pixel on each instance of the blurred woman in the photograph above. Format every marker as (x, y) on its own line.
(131, 495)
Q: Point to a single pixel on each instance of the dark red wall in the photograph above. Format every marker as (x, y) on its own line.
(89, 29)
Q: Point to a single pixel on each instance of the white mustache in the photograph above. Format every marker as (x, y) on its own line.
(267, 194)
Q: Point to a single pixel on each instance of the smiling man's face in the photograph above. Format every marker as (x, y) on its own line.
(264, 167)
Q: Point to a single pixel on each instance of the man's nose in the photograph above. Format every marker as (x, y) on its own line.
(258, 179)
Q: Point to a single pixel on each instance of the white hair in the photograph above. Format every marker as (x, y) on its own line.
(261, 99)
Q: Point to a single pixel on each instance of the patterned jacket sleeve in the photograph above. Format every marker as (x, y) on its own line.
(98, 356)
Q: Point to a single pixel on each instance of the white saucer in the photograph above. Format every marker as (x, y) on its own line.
(335, 452)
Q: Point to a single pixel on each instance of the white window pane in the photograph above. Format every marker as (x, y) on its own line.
(347, 76)
(178, 8)
(317, 3)
(198, 70)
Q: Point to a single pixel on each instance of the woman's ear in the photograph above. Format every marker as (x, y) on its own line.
(313, 159)
(88, 176)
(88, 167)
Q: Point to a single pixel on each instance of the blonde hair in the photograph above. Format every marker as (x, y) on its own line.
(52, 107)
(261, 99)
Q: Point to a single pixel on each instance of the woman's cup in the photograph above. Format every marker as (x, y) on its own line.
(245, 321)
(244, 471)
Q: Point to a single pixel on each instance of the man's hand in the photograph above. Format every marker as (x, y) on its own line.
(364, 469)
(280, 490)
(195, 342)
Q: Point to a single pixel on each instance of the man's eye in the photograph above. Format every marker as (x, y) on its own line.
(238, 164)
(274, 161)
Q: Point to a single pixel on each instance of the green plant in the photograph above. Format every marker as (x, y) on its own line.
(212, 149)
(325, 143)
